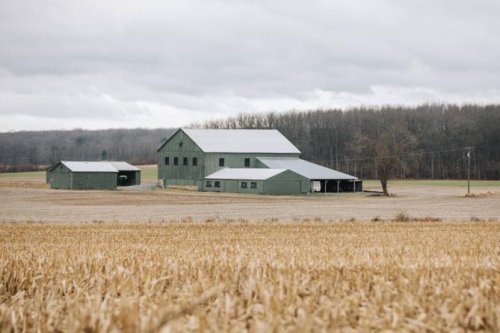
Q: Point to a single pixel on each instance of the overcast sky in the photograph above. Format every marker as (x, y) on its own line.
(93, 64)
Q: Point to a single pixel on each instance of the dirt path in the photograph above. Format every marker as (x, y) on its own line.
(31, 204)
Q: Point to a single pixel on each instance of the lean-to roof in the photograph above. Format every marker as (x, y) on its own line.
(123, 166)
(245, 173)
(304, 168)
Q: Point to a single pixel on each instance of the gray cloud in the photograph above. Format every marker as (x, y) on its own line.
(129, 63)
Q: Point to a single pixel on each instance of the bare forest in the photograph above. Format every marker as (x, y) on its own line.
(428, 141)
(25, 151)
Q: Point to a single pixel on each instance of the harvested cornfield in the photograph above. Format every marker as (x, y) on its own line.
(250, 276)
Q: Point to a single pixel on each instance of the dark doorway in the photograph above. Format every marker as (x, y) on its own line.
(336, 186)
(127, 178)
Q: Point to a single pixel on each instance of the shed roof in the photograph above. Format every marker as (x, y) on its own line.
(240, 141)
(304, 168)
(101, 166)
(245, 173)
(89, 166)
(123, 166)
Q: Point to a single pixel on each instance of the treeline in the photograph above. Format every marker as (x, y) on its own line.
(26, 151)
(428, 141)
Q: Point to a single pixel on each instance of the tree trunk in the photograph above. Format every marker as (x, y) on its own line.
(384, 186)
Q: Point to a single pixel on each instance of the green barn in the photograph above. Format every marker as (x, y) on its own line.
(262, 160)
(77, 175)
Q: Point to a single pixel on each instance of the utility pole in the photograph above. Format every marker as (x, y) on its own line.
(469, 149)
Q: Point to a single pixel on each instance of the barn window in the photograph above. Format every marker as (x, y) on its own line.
(217, 183)
(185, 161)
(167, 161)
(253, 185)
(221, 162)
(176, 161)
(243, 184)
(247, 162)
(195, 161)
(208, 183)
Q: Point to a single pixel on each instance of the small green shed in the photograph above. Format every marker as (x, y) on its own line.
(256, 180)
(82, 175)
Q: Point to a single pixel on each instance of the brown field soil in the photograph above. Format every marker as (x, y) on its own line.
(23, 180)
(26, 197)
(303, 276)
(45, 205)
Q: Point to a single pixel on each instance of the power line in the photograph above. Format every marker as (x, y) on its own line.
(415, 152)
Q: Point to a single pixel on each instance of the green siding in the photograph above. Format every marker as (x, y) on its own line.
(94, 180)
(234, 186)
(282, 187)
(60, 177)
(180, 146)
(287, 182)
(249, 189)
(137, 178)
(231, 186)
(226, 185)
(180, 182)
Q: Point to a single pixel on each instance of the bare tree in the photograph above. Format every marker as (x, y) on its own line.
(391, 147)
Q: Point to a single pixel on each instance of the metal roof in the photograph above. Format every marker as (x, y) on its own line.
(101, 166)
(241, 141)
(304, 168)
(245, 173)
(123, 166)
(89, 166)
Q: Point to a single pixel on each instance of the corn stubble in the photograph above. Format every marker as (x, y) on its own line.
(250, 276)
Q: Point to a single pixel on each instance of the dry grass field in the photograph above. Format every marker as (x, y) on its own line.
(245, 276)
(142, 260)
(45, 205)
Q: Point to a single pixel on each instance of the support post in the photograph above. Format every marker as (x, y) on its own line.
(468, 172)
(469, 149)
(338, 186)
